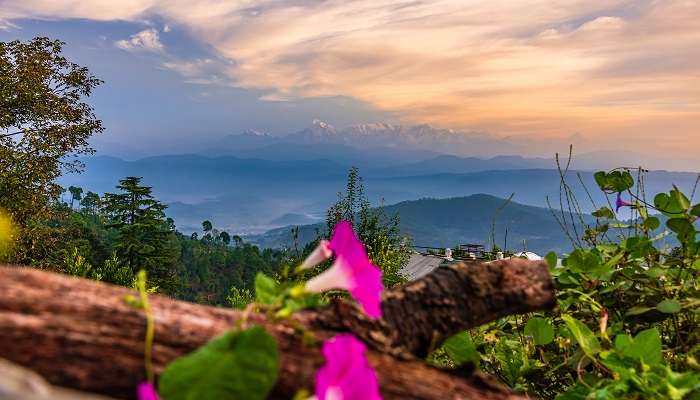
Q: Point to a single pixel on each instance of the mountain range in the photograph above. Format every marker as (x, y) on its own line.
(254, 182)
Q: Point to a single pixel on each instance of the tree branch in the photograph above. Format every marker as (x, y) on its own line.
(445, 302)
(80, 334)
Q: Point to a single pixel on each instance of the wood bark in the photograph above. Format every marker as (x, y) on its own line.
(81, 334)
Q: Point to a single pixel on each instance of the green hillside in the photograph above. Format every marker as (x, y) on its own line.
(458, 220)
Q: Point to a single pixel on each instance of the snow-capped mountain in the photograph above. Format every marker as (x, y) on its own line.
(413, 137)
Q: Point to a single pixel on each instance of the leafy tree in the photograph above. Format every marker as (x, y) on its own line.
(146, 238)
(379, 232)
(44, 125)
(237, 240)
(207, 227)
(225, 237)
(76, 193)
(91, 203)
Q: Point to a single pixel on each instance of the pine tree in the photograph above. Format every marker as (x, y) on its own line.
(146, 239)
(380, 233)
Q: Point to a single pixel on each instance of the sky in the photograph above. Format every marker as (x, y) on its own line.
(610, 74)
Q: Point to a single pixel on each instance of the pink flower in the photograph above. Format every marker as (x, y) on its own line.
(146, 391)
(346, 375)
(620, 203)
(352, 270)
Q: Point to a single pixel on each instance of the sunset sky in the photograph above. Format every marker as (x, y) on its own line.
(610, 74)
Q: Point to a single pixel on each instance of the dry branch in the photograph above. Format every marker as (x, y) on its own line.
(81, 334)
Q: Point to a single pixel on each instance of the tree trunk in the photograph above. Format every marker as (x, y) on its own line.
(81, 334)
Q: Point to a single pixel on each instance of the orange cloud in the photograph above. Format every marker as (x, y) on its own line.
(620, 72)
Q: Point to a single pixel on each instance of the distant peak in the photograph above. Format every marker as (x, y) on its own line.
(253, 132)
(322, 124)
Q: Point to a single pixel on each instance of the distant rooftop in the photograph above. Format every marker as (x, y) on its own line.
(420, 265)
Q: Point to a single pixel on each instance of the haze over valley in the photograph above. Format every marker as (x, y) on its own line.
(254, 182)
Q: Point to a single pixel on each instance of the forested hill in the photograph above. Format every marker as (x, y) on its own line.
(457, 220)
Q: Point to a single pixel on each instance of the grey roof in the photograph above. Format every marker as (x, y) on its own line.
(419, 265)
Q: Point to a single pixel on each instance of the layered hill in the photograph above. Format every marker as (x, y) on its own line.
(458, 220)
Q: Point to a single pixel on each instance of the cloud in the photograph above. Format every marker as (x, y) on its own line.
(146, 40)
(614, 70)
(7, 25)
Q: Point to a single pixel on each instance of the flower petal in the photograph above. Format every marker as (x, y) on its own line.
(338, 276)
(367, 290)
(146, 391)
(346, 375)
(321, 253)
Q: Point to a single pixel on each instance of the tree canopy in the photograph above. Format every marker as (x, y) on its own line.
(45, 124)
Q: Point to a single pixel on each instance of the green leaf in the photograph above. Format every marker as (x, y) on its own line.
(551, 259)
(461, 349)
(540, 329)
(695, 210)
(584, 336)
(236, 365)
(604, 212)
(652, 223)
(672, 204)
(601, 179)
(615, 181)
(266, 289)
(680, 199)
(681, 226)
(636, 310)
(669, 306)
(623, 342)
(646, 346)
(582, 261)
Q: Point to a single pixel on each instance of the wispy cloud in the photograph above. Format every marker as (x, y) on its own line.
(618, 70)
(146, 40)
(7, 25)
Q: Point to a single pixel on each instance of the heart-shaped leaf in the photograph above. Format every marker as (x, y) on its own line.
(540, 329)
(236, 365)
(461, 349)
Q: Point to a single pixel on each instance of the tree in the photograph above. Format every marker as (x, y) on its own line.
(380, 233)
(237, 240)
(44, 123)
(225, 237)
(76, 193)
(91, 203)
(146, 239)
(207, 227)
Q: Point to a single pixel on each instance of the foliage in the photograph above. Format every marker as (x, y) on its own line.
(145, 240)
(44, 125)
(92, 241)
(241, 364)
(240, 298)
(75, 264)
(282, 299)
(627, 324)
(6, 236)
(380, 233)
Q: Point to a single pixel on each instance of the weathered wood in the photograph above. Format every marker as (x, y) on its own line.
(447, 301)
(81, 334)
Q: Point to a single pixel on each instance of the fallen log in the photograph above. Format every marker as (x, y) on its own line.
(81, 334)
(447, 301)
